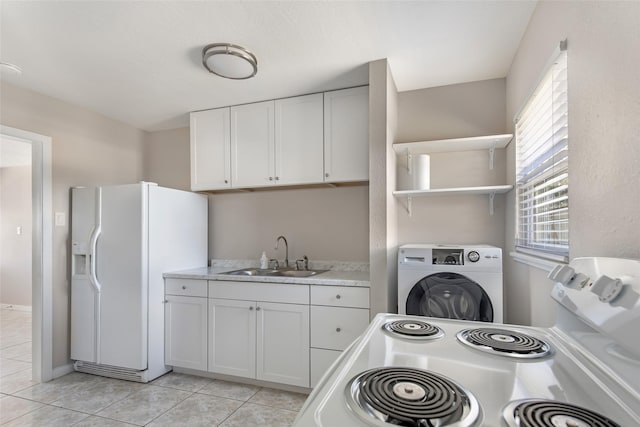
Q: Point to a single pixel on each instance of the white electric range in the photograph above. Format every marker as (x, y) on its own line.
(424, 371)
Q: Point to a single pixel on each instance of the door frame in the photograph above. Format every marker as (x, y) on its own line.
(42, 247)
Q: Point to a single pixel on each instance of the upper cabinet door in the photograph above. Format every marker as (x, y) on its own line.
(299, 140)
(252, 145)
(346, 135)
(210, 150)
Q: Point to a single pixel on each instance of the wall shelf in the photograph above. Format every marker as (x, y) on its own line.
(455, 144)
(488, 142)
(491, 190)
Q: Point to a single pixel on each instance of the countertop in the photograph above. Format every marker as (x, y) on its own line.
(330, 278)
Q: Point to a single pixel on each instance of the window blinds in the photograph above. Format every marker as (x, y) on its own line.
(542, 178)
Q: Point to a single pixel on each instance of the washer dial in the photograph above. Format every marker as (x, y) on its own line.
(473, 256)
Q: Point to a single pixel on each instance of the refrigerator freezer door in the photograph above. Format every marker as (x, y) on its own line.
(122, 273)
(85, 300)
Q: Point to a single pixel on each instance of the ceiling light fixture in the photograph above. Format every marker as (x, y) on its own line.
(229, 60)
(11, 68)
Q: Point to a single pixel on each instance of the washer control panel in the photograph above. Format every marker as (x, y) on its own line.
(447, 256)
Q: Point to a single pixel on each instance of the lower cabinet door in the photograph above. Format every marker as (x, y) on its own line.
(321, 361)
(232, 337)
(283, 343)
(186, 332)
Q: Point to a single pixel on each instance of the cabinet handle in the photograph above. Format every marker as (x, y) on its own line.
(326, 175)
(270, 178)
(165, 301)
(338, 296)
(226, 181)
(257, 308)
(338, 329)
(184, 287)
(251, 308)
(277, 178)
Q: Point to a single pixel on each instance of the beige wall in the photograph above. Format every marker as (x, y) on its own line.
(15, 249)
(329, 224)
(166, 158)
(453, 111)
(88, 149)
(604, 152)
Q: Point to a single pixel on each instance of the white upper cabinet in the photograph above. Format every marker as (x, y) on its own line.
(346, 135)
(299, 140)
(310, 139)
(252, 145)
(210, 150)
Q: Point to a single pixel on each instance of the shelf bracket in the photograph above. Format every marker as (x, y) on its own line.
(409, 156)
(409, 205)
(492, 150)
(491, 197)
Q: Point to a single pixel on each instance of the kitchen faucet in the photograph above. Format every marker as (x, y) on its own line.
(286, 253)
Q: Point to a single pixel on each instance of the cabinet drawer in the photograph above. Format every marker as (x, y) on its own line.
(340, 296)
(321, 360)
(186, 287)
(334, 328)
(257, 291)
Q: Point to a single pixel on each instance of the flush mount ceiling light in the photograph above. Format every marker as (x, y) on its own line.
(229, 60)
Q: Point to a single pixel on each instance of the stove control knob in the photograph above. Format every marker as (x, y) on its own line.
(562, 274)
(473, 256)
(607, 288)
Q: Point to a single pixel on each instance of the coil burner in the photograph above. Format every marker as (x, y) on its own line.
(413, 329)
(411, 397)
(551, 413)
(504, 342)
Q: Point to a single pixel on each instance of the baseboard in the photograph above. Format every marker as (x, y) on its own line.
(62, 370)
(15, 307)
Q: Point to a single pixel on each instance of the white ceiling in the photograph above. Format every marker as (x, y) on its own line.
(140, 61)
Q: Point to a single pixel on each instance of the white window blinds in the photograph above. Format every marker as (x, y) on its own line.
(542, 178)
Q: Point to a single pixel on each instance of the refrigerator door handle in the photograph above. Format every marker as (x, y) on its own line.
(93, 242)
(93, 278)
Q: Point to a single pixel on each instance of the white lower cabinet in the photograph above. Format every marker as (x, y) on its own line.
(338, 316)
(287, 333)
(263, 340)
(232, 337)
(186, 332)
(321, 360)
(283, 343)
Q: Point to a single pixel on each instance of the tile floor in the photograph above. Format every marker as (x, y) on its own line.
(85, 400)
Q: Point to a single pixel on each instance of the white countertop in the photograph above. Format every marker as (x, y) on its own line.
(330, 278)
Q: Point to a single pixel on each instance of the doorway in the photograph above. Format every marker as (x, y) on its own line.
(41, 248)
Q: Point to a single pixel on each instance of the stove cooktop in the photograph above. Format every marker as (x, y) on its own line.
(493, 378)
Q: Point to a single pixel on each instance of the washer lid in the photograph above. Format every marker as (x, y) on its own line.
(451, 296)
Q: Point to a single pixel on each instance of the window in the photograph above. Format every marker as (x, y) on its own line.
(542, 173)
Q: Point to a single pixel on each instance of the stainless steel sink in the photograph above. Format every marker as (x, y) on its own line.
(273, 272)
(252, 272)
(299, 273)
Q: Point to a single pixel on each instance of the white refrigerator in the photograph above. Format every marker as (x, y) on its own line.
(123, 238)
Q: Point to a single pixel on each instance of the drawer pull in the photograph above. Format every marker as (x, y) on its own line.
(257, 308)
(338, 329)
(251, 308)
(184, 287)
(338, 296)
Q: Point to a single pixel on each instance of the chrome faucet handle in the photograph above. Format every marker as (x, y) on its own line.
(274, 262)
(306, 262)
(298, 261)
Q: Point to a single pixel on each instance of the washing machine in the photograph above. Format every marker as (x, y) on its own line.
(451, 281)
